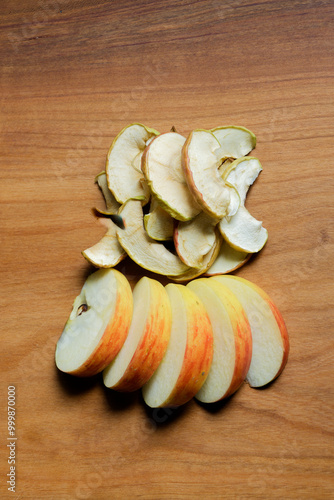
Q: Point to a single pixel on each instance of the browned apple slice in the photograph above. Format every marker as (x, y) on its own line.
(187, 360)
(147, 339)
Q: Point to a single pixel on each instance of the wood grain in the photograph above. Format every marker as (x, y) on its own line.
(73, 73)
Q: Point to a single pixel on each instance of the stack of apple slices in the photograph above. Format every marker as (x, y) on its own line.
(175, 342)
(191, 192)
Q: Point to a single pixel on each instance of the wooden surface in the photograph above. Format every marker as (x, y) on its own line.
(73, 73)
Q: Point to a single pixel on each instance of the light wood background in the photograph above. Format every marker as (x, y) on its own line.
(73, 74)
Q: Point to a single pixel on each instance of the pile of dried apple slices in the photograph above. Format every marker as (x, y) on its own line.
(174, 342)
(190, 191)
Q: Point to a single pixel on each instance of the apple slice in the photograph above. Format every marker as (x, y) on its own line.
(200, 164)
(112, 206)
(97, 326)
(195, 238)
(208, 260)
(162, 167)
(241, 174)
(158, 223)
(232, 340)
(243, 232)
(235, 141)
(107, 252)
(146, 341)
(187, 360)
(228, 260)
(142, 249)
(124, 179)
(269, 333)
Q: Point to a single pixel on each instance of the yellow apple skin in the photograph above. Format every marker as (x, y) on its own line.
(153, 343)
(115, 333)
(278, 316)
(198, 354)
(240, 327)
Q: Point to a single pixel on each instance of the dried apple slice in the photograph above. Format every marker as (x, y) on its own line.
(194, 239)
(235, 141)
(200, 163)
(107, 252)
(269, 332)
(112, 204)
(187, 360)
(208, 260)
(124, 179)
(162, 167)
(241, 174)
(228, 260)
(147, 339)
(243, 232)
(142, 249)
(232, 340)
(158, 223)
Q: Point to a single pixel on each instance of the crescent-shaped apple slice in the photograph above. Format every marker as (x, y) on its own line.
(124, 179)
(147, 339)
(232, 340)
(187, 360)
(269, 333)
(146, 252)
(97, 326)
(243, 232)
(241, 174)
(200, 164)
(228, 260)
(235, 141)
(162, 167)
(107, 252)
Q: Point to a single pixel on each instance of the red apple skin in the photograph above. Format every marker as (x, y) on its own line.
(115, 333)
(153, 342)
(198, 354)
(280, 322)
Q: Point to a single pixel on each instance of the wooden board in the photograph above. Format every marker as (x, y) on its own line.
(73, 74)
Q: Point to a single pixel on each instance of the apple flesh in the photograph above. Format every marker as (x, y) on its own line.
(187, 360)
(97, 326)
(269, 333)
(146, 341)
(232, 340)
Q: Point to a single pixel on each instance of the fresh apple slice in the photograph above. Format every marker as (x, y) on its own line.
(243, 232)
(232, 340)
(142, 249)
(195, 238)
(200, 164)
(97, 326)
(187, 360)
(235, 141)
(269, 333)
(107, 252)
(241, 174)
(208, 260)
(112, 206)
(124, 180)
(228, 260)
(162, 167)
(158, 223)
(146, 341)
